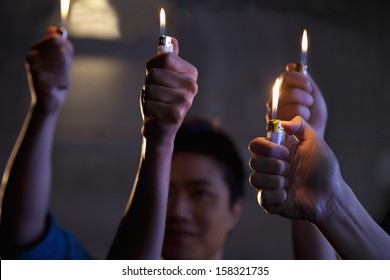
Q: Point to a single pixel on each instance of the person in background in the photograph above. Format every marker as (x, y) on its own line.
(206, 192)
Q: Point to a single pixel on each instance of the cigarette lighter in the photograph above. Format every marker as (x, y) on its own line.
(275, 131)
(164, 44)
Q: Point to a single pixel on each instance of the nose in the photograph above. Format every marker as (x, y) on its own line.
(179, 207)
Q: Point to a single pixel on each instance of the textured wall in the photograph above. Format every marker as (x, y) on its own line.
(239, 47)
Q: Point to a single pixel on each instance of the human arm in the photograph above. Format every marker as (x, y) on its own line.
(27, 177)
(309, 186)
(309, 243)
(169, 89)
(300, 96)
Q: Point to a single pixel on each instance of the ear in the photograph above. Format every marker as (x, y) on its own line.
(235, 213)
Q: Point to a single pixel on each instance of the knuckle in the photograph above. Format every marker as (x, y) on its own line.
(194, 87)
(253, 162)
(175, 115)
(189, 85)
(166, 59)
(151, 74)
(194, 72)
(254, 180)
(187, 103)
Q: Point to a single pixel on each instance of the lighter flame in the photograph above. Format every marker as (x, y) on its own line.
(162, 22)
(275, 97)
(305, 42)
(64, 9)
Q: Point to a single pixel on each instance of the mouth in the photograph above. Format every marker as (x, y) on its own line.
(179, 235)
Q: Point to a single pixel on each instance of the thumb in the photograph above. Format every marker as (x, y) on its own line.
(291, 67)
(175, 44)
(299, 128)
(51, 30)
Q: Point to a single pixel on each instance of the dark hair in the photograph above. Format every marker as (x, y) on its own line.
(208, 137)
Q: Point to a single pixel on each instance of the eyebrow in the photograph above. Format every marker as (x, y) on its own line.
(196, 182)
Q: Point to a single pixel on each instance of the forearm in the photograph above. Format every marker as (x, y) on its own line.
(141, 231)
(27, 179)
(309, 243)
(351, 230)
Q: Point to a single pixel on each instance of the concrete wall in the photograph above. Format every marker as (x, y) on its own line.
(239, 47)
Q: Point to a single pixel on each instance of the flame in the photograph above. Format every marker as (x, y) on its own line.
(64, 9)
(162, 22)
(275, 97)
(305, 42)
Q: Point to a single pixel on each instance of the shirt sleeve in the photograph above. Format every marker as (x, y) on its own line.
(56, 244)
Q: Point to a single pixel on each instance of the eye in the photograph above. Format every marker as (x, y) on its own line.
(202, 193)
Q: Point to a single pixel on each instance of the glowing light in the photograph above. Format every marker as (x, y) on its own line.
(304, 46)
(275, 97)
(64, 10)
(162, 22)
(305, 42)
(94, 19)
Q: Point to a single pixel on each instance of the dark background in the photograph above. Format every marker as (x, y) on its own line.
(239, 48)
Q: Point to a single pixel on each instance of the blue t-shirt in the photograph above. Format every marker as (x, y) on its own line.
(56, 244)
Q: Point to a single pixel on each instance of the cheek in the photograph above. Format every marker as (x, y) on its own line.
(214, 223)
(215, 237)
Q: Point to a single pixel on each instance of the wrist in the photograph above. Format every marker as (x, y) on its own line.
(337, 206)
(157, 143)
(157, 151)
(48, 101)
(156, 135)
(42, 111)
(351, 231)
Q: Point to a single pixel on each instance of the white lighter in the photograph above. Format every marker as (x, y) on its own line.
(275, 131)
(164, 42)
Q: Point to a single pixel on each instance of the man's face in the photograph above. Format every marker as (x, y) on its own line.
(199, 217)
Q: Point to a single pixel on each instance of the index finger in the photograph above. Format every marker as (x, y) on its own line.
(174, 63)
(265, 147)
